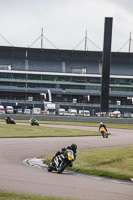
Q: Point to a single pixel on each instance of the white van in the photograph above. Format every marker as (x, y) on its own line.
(27, 111)
(84, 113)
(36, 111)
(61, 111)
(9, 110)
(72, 112)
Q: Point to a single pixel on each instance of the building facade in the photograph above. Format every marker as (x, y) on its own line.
(68, 75)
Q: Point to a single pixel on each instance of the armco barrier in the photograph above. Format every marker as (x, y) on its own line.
(70, 118)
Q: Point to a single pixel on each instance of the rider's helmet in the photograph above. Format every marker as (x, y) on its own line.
(74, 147)
(101, 123)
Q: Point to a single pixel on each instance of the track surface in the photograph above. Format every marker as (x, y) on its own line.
(15, 176)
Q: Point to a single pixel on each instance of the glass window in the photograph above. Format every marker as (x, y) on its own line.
(122, 81)
(18, 84)
(112, 80)
(131, 81)
(91, 87)
(43, 85)
(80, 87)
(65, 87)
(33, 85)
(48, 78)
(93, 80)
(5, 75)
(40, 85)
(125, 89)
(64, 78)
(5, 83)
(34, 77)
(78, 79)
(19, 76)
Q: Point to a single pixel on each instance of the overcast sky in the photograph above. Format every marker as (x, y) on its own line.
(65, 22)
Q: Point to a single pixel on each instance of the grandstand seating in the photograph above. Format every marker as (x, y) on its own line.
(45, 66)
(42, 65)
(122, 69)
(91, 67)
(16, 63)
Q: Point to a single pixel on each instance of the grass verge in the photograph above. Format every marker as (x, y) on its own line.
(15, 196)
(20, 131)
(109, 162)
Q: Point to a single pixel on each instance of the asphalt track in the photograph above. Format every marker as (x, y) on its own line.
(15, 176)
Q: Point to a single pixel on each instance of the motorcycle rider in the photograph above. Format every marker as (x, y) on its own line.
(8, 119)
(31, 120)
(102, 125)
(73, 147)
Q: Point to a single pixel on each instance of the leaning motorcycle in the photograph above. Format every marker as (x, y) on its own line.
(34, 122)
(61, 161)
(10, 121)
(104, 132)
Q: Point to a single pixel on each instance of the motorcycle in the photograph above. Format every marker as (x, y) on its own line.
(61, 161)
(104, 132)
(10, 121)
(34, 122)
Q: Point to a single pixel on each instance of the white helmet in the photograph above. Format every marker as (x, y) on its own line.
(101, 123)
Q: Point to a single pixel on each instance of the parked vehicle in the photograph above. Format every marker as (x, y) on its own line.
(49, 108)
(27, 111)
(36, 111)
(61, 161)
(43, 112)
(61, 111)
(72, 112)
(9, 110)
(2, 109)
(19, 111)
(84, 113)
(116, 113)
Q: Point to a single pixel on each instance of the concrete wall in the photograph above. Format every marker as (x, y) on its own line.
(71, 118)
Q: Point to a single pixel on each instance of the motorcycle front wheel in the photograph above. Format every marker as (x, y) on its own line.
(61, 168)
(103, 134)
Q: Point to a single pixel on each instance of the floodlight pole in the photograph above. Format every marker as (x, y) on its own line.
(42, 39)
(130, 42)
(86, 41)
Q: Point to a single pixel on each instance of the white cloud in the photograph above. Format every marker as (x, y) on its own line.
(64, 22)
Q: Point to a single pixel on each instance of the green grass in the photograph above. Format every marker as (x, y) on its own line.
(15, 196)
(19, 131)
(109, 162)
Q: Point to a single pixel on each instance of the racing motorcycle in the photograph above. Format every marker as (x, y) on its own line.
(60, 162)
(34, 122)
(9, 120)
(104, 132)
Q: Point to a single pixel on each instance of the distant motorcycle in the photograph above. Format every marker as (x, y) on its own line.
(9, 120)
(34, 122)
(104, 132)
(61, 161)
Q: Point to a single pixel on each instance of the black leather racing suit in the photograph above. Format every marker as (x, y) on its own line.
(62, 151)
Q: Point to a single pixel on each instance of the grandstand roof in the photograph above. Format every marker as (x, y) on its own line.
(61, 54)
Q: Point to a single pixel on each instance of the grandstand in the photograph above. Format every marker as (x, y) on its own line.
(69, 74)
